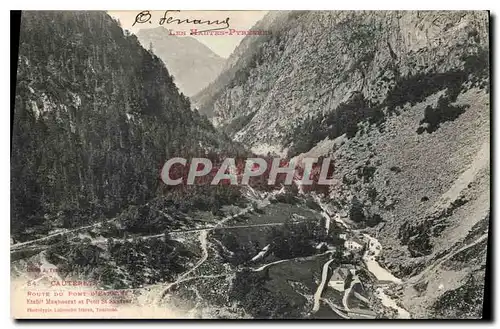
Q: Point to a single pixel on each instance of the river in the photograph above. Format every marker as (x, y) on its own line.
(381, 274)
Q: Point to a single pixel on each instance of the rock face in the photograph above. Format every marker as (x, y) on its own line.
(315, 61)
(192, 64)
(242, 59)
(400, 100)
(430, 195)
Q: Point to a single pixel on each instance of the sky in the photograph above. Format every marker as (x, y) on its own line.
(222, 45)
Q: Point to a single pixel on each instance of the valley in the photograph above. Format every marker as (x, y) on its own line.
(225, 255)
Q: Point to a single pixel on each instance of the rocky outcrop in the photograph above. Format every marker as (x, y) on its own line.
(313, 63)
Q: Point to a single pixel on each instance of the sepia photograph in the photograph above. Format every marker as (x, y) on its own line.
(176, 164)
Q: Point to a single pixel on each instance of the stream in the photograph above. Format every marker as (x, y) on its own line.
(381, 274)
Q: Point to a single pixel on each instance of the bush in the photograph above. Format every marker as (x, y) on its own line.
(395, 169)
(373, 220)
(295, 239)
(367, 173)
(313, 205)
(250, 291)
(356, 213)
(288, 198)
(372, 193)
(434, 117)
(343, 120)
(238, 124)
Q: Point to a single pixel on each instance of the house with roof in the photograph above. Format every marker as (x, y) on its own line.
(340, 275)
(354, 244)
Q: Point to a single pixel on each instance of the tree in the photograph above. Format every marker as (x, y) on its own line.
(356, 213)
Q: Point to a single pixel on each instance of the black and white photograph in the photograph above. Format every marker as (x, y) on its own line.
(175, 164)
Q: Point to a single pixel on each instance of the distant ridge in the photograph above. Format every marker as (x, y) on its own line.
(192, 64)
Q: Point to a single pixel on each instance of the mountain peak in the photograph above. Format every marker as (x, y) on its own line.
(192, 63)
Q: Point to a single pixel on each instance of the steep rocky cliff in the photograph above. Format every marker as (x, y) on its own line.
(241, 60)
(96, 116)
(192, 64)
(315, 61)
(400, 100)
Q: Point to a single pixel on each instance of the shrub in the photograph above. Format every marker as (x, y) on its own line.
(372, 193)
(395, 169)
(443, 112)
(366, 173)
(356, 213)
(310, 203)
(288, 198)
(373, 220)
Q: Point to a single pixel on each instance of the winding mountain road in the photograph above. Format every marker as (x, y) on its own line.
(203, 244)
(321, 286)
(203, 238)
(450, 255)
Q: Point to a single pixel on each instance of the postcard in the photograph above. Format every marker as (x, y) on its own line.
(250, 164)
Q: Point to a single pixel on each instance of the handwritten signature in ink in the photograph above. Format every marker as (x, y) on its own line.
(146, 16)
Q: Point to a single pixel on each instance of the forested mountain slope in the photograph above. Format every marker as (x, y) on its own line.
(96, 117)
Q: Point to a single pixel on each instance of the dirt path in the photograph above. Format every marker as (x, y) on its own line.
(203, 238)
(64, 232)
(260, 204)
(195, 230)
(445, 258)
(347, 292)
(203, 244)
(321, 286)
(300, 259)
(263, 267)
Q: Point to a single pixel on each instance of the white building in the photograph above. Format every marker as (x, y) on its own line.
(353, 244)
